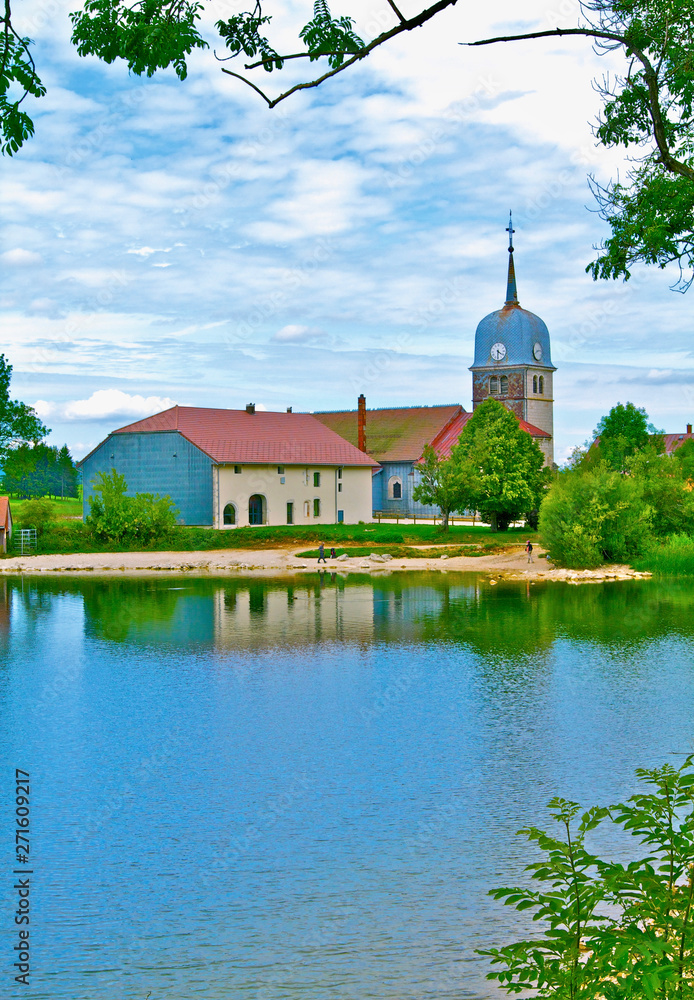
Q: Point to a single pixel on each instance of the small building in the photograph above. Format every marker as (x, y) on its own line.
(5, 523)
(232, 468)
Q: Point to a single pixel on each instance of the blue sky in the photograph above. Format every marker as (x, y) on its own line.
(179, 242)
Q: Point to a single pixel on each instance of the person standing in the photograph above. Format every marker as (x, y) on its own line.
(332, 553)
(321, 553)
(529, 550)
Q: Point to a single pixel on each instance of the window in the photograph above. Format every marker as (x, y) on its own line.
(535, 383)
(316, 478)
(237, 469)
(280, 470)
(256, 509)
(339, 487)
(494, 386)
(339, 473)
(542, 385)
(316, 507)
(290, 513)
(340, 516)
(395, 488)
(307, 508)
(230, 514)
(503, 385)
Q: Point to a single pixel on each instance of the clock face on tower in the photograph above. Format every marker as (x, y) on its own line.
(537, 351)
(498, 352)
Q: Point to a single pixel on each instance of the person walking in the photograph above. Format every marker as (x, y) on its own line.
(529, 550)
(321, 553)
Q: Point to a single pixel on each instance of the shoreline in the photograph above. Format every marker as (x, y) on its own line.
(284, 562)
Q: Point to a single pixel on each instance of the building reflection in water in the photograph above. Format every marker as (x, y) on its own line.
(258, 617)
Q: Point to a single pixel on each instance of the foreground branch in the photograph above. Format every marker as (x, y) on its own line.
(669, 161)
(404, 25)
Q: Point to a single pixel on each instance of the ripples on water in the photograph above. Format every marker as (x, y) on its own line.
(267, 791)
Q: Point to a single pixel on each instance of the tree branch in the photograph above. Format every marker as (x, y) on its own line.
(407, 25)
(670, 162)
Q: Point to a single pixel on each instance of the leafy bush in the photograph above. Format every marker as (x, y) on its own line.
(39, 513)
(611, 931)
(115, 517)
(589, 517)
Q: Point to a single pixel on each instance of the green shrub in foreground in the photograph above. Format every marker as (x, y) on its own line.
(37, 513)
(610, 931)
(589, 517)
(114, 517)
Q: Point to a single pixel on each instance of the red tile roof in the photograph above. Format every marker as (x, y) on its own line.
(673, 441)
(399, 435)
(5, 515)
(394, 435)
(261, 437)
(444, 441)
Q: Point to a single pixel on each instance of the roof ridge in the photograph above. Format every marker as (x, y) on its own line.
(376, 409)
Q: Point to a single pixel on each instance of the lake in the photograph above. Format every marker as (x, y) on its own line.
(273, 790)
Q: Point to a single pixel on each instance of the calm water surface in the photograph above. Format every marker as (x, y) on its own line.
(271, 792)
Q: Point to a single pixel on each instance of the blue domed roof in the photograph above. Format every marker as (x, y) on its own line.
(519, 331)
(521, 336)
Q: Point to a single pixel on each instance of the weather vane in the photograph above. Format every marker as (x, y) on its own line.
(510, 230)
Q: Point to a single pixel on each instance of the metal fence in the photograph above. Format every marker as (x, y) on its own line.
(24, 540)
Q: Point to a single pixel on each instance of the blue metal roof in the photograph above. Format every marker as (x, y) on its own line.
(518, 330)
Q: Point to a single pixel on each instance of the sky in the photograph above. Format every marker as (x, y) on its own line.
(178, 242)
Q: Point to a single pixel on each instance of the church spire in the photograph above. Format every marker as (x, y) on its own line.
(511, 292)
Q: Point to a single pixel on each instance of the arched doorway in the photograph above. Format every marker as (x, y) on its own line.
(256, 509)
(230, 514)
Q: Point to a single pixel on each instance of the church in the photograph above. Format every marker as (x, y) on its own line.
(232, 468)
(512, 363)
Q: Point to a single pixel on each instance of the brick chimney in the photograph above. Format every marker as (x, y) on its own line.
(689, 428)
(361, 423)
(250, 407)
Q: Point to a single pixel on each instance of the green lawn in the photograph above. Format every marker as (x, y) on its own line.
(67, 536)
(70, 507)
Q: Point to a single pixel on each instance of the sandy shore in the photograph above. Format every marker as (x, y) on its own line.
(512, 564)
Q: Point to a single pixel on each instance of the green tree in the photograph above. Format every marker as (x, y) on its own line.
(624, 432)
(647, 108)
(503, 465)
(18, 422)
(684, 456)
(665, 489)
(116, 517)
(39, 470)
(444, 484)
(590, 517)
(611, 931)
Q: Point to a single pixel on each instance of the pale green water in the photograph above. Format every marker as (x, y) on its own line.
(249, 790)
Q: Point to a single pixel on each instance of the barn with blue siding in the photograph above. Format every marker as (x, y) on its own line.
(232, 468)
(162, 462)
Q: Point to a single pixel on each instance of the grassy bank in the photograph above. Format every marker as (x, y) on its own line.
(674, 557)
(66, 537)
(70, 507)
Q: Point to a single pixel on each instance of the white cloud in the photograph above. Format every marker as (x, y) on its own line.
(148, 251)
(104, 404)
(20, 257)
(294, 334)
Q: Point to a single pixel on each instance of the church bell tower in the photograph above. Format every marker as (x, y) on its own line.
(513, 362)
